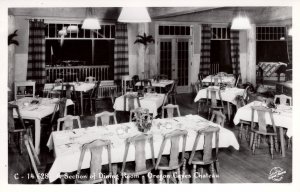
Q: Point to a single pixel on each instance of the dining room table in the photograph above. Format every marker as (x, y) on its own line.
(81, 87)
(282, 115)
(226, 79)
(161, 84)
(66, 145)
(228, 94)
(151, 101)
(36, 109)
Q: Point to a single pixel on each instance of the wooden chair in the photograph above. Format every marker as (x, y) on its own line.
(175, 160)
(283, 100)
(92, 97)
(96, 149)
(170, 110)
(34, 159)
(173, 92)
(198, 87)
(131, 98)
(135, 79)
(68, 122)
(60, 110)
(141, 165)
(90, 79)
(219, 118)
(105, 118)
(244, 125)
(16, 126)
(68, 91)
(55, 93)
(262, 129)
(207, 156)
(213, 99)
(48, 87)
(126, 84)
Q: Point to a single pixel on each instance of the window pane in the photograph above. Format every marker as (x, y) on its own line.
(187, 30)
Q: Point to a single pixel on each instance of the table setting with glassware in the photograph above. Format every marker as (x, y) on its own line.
(228, 79)
(151, 101)
(67, 144)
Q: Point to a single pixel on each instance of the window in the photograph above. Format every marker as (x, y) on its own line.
(271, 45)
(80, 47)
(220, 55)
(174, 30)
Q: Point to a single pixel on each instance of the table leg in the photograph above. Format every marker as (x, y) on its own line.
(229, 111)
(282, 142)
(81, 103)
(37, 137)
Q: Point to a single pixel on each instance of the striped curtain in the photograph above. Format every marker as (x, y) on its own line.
(235, 52)
(205, 49)
(36, 53)
(121, 52)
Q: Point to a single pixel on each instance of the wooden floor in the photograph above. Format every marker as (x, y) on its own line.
(235, 166)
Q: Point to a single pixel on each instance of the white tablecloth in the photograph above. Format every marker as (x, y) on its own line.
(228, 94)
(36, 112)
(67, 144)
(225, 79)
(161, 83)
(282, 116)
(149, 101)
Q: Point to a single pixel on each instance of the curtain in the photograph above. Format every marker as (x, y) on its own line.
(235, 52)
(121, 52)
(36, 53)
(205, 49)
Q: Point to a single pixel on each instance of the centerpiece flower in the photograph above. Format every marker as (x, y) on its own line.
(143, 119)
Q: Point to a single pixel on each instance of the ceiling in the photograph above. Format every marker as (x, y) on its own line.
(182, 14)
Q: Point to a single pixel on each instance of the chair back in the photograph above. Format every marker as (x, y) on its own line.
(207, 153)
(213, 96)
(96, 149)
(69, 91)
(261, 112)
(47, 88)
(170, 110)
(105, 117)
(130, 98)
(174, 138)
(11, 120)
(34, 159)
(139, 142)
(198, 86)
(90, 79)
(218, 117)
(237, 80)
(283, 100)
(61, 108)
(68, 122)
(95, 91)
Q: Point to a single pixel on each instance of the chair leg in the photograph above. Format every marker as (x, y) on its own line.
(179, 176)
(183, 167)
(276, 143)
(143, 179)
(127, 179)
(254, 143)
(251, 139)
(150, 180)
(201, 172)
(240, 131)
(160, 176)
(194, 173)
(212, 173)
(271, 146)
(217, 167)
(21, 143)
(258, 141)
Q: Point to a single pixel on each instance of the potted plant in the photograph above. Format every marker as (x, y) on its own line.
(145, 40)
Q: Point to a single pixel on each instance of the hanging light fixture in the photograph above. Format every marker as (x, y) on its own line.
(241, 22)
(134, 15)
(91, 21)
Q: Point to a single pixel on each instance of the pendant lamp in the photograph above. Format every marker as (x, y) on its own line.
(240, 22)
(91, 21)
(134, 15)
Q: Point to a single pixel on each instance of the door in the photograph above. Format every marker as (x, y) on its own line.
(173, 60)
